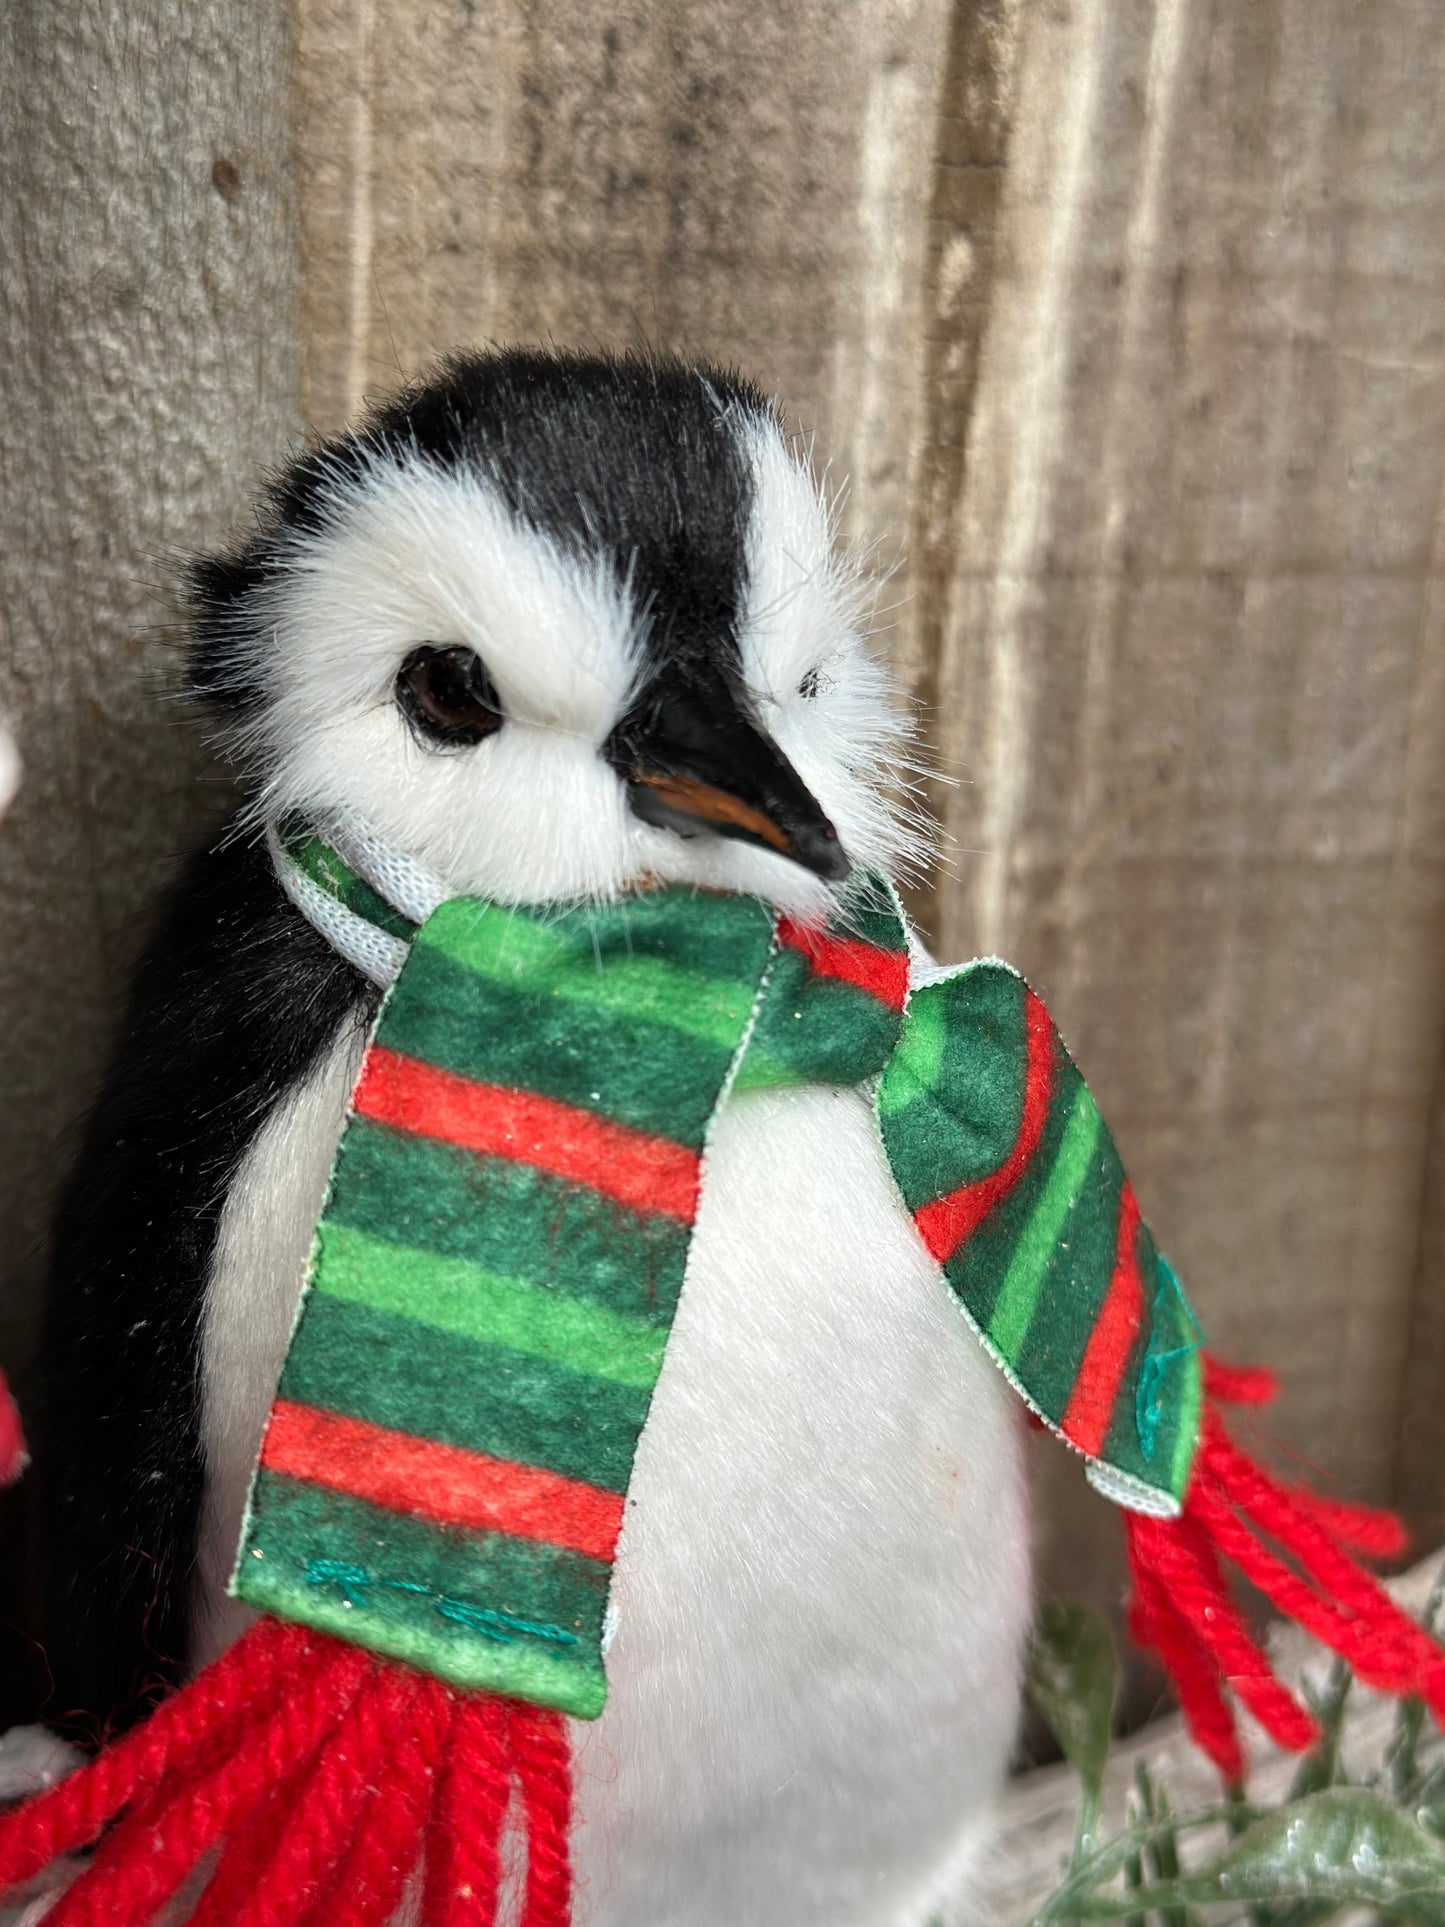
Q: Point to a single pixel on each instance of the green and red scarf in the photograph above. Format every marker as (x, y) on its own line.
(506, 1237)
(494, 1277)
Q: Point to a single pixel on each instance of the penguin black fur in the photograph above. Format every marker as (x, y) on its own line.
(233, 1001)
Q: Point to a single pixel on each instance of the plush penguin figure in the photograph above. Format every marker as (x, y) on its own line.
(559, 628)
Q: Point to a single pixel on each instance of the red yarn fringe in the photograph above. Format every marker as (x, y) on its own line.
(324, 1779)
(1235, 1510)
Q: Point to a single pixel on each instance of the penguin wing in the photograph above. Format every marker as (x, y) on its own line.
(235, 999)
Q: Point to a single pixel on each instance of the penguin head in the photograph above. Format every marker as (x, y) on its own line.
(559, 626)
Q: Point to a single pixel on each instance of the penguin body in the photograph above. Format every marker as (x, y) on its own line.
(556, 628)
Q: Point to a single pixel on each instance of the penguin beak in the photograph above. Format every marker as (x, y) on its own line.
(693, 761)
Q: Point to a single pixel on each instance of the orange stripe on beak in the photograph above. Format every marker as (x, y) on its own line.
(710, 805)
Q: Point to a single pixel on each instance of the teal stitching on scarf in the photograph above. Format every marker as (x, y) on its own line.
(337, 1572)
(1149, 1396)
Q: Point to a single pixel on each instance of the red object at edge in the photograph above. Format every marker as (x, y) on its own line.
(326, 1777)
(13, 1456)
(1235, 1510)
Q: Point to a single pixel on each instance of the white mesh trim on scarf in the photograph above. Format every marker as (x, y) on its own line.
(375, 953)
(407, 885)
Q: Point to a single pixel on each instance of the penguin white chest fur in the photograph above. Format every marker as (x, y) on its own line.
(821, 1588)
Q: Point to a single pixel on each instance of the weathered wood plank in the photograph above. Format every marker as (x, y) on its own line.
(745, 181)
(148, 307)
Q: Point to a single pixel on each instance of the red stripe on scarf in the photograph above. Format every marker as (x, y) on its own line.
(882, 973)
(949, 1221)
(645, 1173)
(1086, 1422)
(439, 1482)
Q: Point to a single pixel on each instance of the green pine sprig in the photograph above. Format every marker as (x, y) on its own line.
(1332, 1847)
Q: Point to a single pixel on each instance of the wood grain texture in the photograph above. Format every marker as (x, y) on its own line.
(148, 305)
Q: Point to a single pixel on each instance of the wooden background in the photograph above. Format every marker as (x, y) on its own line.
(1126, 319)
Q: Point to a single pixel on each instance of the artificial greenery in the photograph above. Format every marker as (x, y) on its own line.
(1336, 1845)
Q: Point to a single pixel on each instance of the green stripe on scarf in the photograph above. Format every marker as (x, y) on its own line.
(1033, 1253)
(484, 1397)
(812, 1031)
(509, 1218)
(564, 1047)
(460, 1605)
(454, 1296)
(521, 956)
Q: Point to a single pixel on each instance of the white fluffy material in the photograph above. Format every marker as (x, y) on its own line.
(417, 554)
(822, 1581)
(413, 553)
(805, 616)
(262, 1248)
(33, 1758)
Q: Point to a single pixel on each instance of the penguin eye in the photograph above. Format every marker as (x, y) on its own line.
(447, 696)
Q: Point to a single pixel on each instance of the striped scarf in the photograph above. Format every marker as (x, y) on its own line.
(499, 1260)
(444, 1474)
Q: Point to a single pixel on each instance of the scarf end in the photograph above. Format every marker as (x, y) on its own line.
(316, 1782)
(1298, 1550)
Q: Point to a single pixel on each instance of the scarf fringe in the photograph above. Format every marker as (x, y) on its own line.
(323, 1778)
(1235, 1510)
